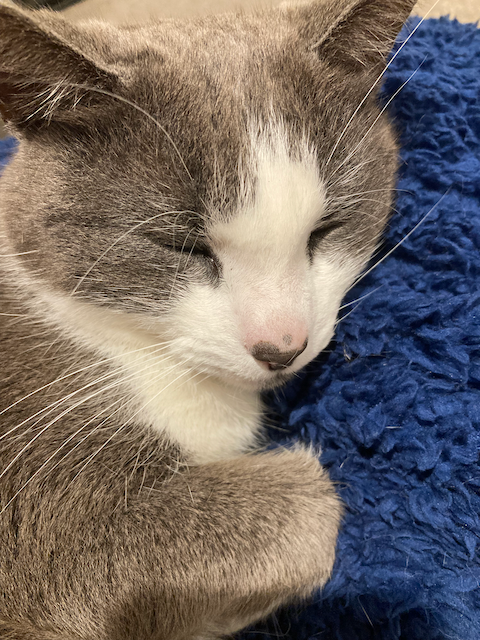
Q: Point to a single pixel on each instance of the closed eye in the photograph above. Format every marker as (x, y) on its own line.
(327, 226)
(188, 246)
(196, 250)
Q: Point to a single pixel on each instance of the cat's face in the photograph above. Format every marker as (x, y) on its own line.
(218, 185)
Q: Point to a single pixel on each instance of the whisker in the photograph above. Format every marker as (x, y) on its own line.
(389, 253)
(339, 320)
(178, 264)
(367, 295)
(28, 445)
(75, 447)
(90, 458)
(349, 197)
(55, 420)
(64, 444)
(45, 411)
(351, 203)
(119, 239)
(21, 253)
(191, 251)
(82, 370)
(14, 315)
(385, 107)
(388, 65)
(350, 176)
(99, 426)
(116, 96)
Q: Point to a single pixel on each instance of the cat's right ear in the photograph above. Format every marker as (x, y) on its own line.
(43, 78)
(355, 34)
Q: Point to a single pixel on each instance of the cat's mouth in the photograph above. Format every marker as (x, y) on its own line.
(272, 377)
(278, 379)
(279, 375)
(263, 379)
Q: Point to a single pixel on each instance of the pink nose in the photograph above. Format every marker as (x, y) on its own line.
(274, 357)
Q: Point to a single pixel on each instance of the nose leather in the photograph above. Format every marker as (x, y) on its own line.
(276, 359)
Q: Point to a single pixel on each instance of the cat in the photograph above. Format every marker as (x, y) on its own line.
(179, 225)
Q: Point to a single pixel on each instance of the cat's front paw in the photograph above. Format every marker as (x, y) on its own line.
(285, 528)
(312, 514)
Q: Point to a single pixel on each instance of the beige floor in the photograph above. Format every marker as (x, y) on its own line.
(463, 10)
(120, 11)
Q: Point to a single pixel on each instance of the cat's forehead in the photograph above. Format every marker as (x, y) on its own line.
(222, 88)
(228, 66)
(188, 105)
(281, 199)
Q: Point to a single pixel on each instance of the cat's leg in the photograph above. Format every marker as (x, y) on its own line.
(251, 534)
(205, 553)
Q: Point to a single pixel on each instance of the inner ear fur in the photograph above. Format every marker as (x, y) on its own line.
(358, 34)
(43, 78)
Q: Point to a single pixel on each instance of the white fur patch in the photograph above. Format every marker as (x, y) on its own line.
(190, 373)
(269, 287)
(263, 248)
(171, 394)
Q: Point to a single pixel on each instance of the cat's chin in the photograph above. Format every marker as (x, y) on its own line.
(270, 381)
(281, 378)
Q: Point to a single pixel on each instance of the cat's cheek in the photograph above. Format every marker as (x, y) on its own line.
(208, 324)
(331, 277)
(204, 325)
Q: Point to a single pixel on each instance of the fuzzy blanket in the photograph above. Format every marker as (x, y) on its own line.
(395, 403)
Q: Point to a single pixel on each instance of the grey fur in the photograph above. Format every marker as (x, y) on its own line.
(139, 545)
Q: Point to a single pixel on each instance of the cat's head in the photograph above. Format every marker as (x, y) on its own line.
(217, 184)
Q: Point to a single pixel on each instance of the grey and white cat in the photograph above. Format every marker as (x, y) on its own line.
(188, 204)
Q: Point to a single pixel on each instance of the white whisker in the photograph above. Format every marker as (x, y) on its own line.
(86, 399)
(367, 295)
(83, 369)
(385, 107)
(388, 65)
(45, 411)
(90, 458)
(21, 253)
(339, 320)
(64, 444)
(119, 239)
(14, 315)
(128, 102)
(177, 270)
(399, 244)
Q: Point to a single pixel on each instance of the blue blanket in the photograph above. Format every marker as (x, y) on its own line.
(395, 401)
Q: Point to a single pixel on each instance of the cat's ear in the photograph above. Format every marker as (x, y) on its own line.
(44, 79)
(355, 33)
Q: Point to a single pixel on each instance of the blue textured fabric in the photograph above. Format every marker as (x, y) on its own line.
(395, 402)
(7, 147)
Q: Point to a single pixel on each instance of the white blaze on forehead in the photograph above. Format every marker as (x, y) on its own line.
(283, 205)
(263, 247)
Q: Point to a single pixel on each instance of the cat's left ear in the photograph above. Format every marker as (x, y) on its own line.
(358, 34)
(45, 76)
